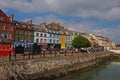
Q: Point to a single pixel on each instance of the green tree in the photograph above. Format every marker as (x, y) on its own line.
(96, 45)
(80, 41)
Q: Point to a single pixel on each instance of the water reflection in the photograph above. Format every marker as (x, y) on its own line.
(109, 71)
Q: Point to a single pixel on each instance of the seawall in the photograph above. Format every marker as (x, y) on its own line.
(48, 68)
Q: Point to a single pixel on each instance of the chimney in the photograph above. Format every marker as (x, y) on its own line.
(11, 17)
(43, 25)
(29, 22)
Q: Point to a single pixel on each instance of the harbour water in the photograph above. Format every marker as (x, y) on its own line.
(107, 71)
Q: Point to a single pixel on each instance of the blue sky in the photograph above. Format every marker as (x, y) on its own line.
(97, 16)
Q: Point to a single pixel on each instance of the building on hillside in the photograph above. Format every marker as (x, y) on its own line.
(6, 33)
(41, 35)
(86, 35)
(111, 45)
(102, 41)
(117, 46)
(93, 39)
(24, 33)
(53, 36)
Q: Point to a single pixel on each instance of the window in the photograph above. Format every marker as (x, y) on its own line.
(45, 35)
(57, 36)
(50, 40)
(18, 31)
(57, 41)
(9, 36)
(0, 18)
(53, 35)
(29, 40)
(41, 40)
(37, 40)
(26, 33)
(24, 26)
(37, 34)
(29, 33)
(3, 26)
(29, 26)
(2, 35)
(11, 27)
(50, 35)
(41, 35)
(18, 38)
(44, 40)
(0, 39)
(24, 39)
(53, 41)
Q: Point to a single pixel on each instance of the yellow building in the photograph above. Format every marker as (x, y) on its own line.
(63, 41)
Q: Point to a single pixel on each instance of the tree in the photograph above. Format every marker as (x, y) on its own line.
(80, 41)
(96, 45)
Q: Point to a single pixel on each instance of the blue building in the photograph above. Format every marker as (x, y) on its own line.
(53, 36)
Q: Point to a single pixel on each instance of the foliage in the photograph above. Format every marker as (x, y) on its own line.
(96, 45)
(80, 41)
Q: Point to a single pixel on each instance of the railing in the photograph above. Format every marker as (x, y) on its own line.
(28, 55)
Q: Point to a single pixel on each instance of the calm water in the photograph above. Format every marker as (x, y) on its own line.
(108, 71)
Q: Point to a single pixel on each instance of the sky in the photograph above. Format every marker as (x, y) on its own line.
(101, 17)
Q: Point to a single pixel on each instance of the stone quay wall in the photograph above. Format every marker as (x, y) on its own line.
(51, 67)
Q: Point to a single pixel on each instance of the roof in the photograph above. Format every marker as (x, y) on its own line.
(2, 13)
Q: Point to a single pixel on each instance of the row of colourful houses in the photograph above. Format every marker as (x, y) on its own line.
(14, 33)
(100, 40)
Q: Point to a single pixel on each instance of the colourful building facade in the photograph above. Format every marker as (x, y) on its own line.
(63, 41)
(6, 33)
(24, 34)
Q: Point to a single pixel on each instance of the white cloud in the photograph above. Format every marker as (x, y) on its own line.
(87, 27)
(73, 25)
(112, 33)
(101, 9)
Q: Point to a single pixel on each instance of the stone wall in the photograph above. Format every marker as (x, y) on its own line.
(51, 67)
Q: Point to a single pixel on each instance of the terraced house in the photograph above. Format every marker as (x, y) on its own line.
(62, 38)
(6, 33)
(53, 36)
(24, 33)
(41, 35)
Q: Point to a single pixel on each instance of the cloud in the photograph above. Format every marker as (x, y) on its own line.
(83, 26)
(111, 33)
(100, 9)
(25, 5)
(88, 9)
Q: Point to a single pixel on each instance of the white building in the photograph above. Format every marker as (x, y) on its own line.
(41, 35)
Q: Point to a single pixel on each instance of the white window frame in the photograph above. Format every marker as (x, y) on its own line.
(37, 40)
(3, 26)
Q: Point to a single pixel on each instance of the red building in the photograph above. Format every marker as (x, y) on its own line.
(6, 33)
